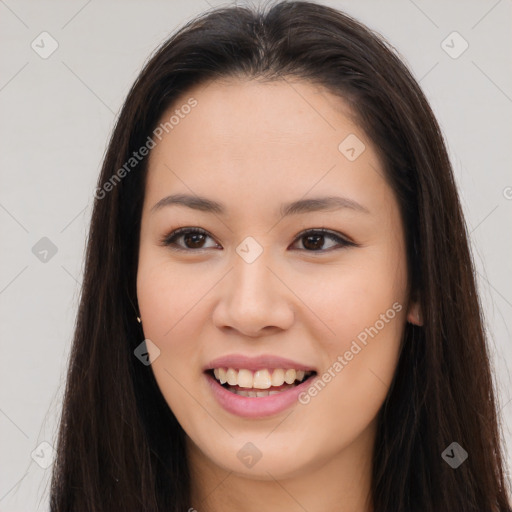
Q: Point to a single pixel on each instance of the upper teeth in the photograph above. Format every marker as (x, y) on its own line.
(260, 379)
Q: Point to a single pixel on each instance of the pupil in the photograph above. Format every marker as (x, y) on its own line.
(196, 243)
(316, 245)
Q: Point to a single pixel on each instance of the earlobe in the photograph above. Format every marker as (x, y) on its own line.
(414, 314)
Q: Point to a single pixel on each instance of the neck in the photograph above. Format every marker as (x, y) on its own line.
(341, 482)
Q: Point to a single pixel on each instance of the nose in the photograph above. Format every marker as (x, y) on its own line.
(254, 300)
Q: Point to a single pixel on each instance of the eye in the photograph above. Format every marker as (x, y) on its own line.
(193, 238)
(314, 239)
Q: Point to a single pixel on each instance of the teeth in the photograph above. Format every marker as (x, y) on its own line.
(278, 377)
(243, 392)
(221, 375)
(260, 379)
(245, 378)
(289, 376)
(231, 377)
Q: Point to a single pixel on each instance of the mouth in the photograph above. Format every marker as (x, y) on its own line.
(259, 383)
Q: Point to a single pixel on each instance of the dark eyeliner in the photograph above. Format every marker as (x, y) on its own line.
(169, 239)
(341, 240)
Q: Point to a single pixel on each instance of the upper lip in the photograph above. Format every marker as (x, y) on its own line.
(256, 363)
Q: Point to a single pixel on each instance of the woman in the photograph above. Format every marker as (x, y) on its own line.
(279, 306)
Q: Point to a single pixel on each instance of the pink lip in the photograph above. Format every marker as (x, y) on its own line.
(238, 361)
(255, 407)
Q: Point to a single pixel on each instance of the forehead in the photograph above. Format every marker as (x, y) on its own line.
(243, 114)
(254, 140)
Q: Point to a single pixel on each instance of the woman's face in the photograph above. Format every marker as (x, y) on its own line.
(259, 283)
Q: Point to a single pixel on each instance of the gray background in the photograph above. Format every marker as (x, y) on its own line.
(57, 114)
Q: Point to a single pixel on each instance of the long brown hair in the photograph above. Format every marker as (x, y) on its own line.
(119, 446)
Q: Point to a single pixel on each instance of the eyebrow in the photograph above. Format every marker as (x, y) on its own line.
(316, 204)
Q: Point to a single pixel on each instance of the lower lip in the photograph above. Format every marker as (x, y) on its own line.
(256, 407)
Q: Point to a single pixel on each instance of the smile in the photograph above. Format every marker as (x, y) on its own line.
(259, 383)
(260, 393)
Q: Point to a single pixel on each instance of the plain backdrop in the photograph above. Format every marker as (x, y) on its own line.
(56, 117)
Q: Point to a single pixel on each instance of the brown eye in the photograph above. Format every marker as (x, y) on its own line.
(314, 240)
(190, 239)
(193, 238)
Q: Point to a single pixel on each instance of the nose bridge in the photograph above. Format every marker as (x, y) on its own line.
(254, 298)
(251, 274)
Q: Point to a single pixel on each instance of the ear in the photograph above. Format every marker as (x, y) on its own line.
(414, 313)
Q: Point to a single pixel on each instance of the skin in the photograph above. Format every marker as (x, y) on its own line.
(252, 146)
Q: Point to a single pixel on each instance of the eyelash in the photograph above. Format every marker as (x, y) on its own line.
(169, 239)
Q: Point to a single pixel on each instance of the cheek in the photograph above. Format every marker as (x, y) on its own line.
(172, 311)
(364, 302)
(354, 296)
(167, 293)
(360, 364)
